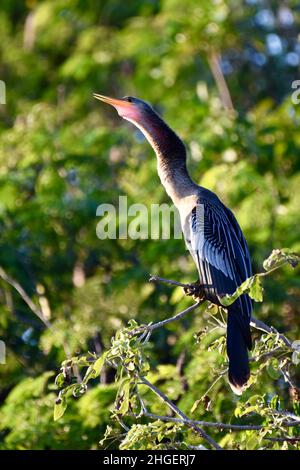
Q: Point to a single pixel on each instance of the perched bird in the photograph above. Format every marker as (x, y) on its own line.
(211, 232)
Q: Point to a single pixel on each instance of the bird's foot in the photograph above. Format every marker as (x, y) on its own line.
(195, 290)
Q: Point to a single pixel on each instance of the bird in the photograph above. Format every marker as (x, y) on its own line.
(211, 231)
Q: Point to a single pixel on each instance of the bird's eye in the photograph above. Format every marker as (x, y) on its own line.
(128, 98)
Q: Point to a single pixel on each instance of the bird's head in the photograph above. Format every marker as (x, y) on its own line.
(129, 108)
(163, 140)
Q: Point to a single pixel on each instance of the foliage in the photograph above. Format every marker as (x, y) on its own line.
(62, 155)
(273, 354)
(252, 286)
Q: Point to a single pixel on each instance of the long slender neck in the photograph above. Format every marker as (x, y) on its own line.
(171, 156)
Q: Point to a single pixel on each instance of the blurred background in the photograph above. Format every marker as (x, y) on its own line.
(221, 74)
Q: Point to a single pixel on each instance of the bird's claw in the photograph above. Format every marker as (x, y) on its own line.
(195, 290)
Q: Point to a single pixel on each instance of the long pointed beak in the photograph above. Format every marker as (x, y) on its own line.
(126, 109)
(113, 101)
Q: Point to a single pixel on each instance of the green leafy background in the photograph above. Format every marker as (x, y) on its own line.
(62, 154)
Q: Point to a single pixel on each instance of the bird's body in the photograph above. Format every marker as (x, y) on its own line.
(211, 231)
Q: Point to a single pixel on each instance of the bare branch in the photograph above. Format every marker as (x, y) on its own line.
(255, 323)
(215, 67)
(260, 325)
(266, 355)
(174, 318)
(33, 307)
(287, 377)
(144, 410)
(25, 297)
(287, 414)
(176, 410)
(149, 328)
(167, 281)
(197, 425)
(282, 418)
(217, 425)
(292, 440)
(221, 426)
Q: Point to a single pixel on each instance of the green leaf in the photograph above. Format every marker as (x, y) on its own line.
(296, 358)
(238, 412)
(279, 257)
(296, 407)
(59, 408)
(60, 380)
(275, 403)
(88, 375)
(195, 405)
(130, 366)
(251, 286)
(98, 365)
(255, 400)
(253, 442)
(256, 289)
(227, 299)
(213, 309)
(273, 370)
(125, 391)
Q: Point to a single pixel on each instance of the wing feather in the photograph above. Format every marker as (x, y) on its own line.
(220, 252)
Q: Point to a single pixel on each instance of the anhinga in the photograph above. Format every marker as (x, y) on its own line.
(212, 235)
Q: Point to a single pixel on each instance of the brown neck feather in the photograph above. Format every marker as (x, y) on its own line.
(171, 155)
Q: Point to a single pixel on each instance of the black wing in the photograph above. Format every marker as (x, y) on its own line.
(220, 252)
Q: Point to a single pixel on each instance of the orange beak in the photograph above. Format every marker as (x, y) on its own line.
(113, 101)
(125, 109)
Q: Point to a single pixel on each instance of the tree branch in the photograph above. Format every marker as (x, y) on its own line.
(260, 325)
(33, 307)
(266, 355)
(176, 410)
(136, 376)
(287, 414)
(149, 328)
(255, 323)
(25, 297)
(292, 440)
(215, 67)
(216, 425)
(167, 281)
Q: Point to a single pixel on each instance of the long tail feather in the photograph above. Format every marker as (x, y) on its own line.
(237, 352)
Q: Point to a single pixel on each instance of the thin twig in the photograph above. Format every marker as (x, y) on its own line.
(123, 425)
(255, 323)
(167, 281)
(154, 326)
(33, 307)
(287, 414)
(216, 425)
(270, 271)
(199, 447)
(25, 297)
(285, 372)
(214, 59)
(176, 317)
(214, 383)
(144, 410)
(176, 410)
(260, 325)
(221, 426)
(283, 439)
(267, 354)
